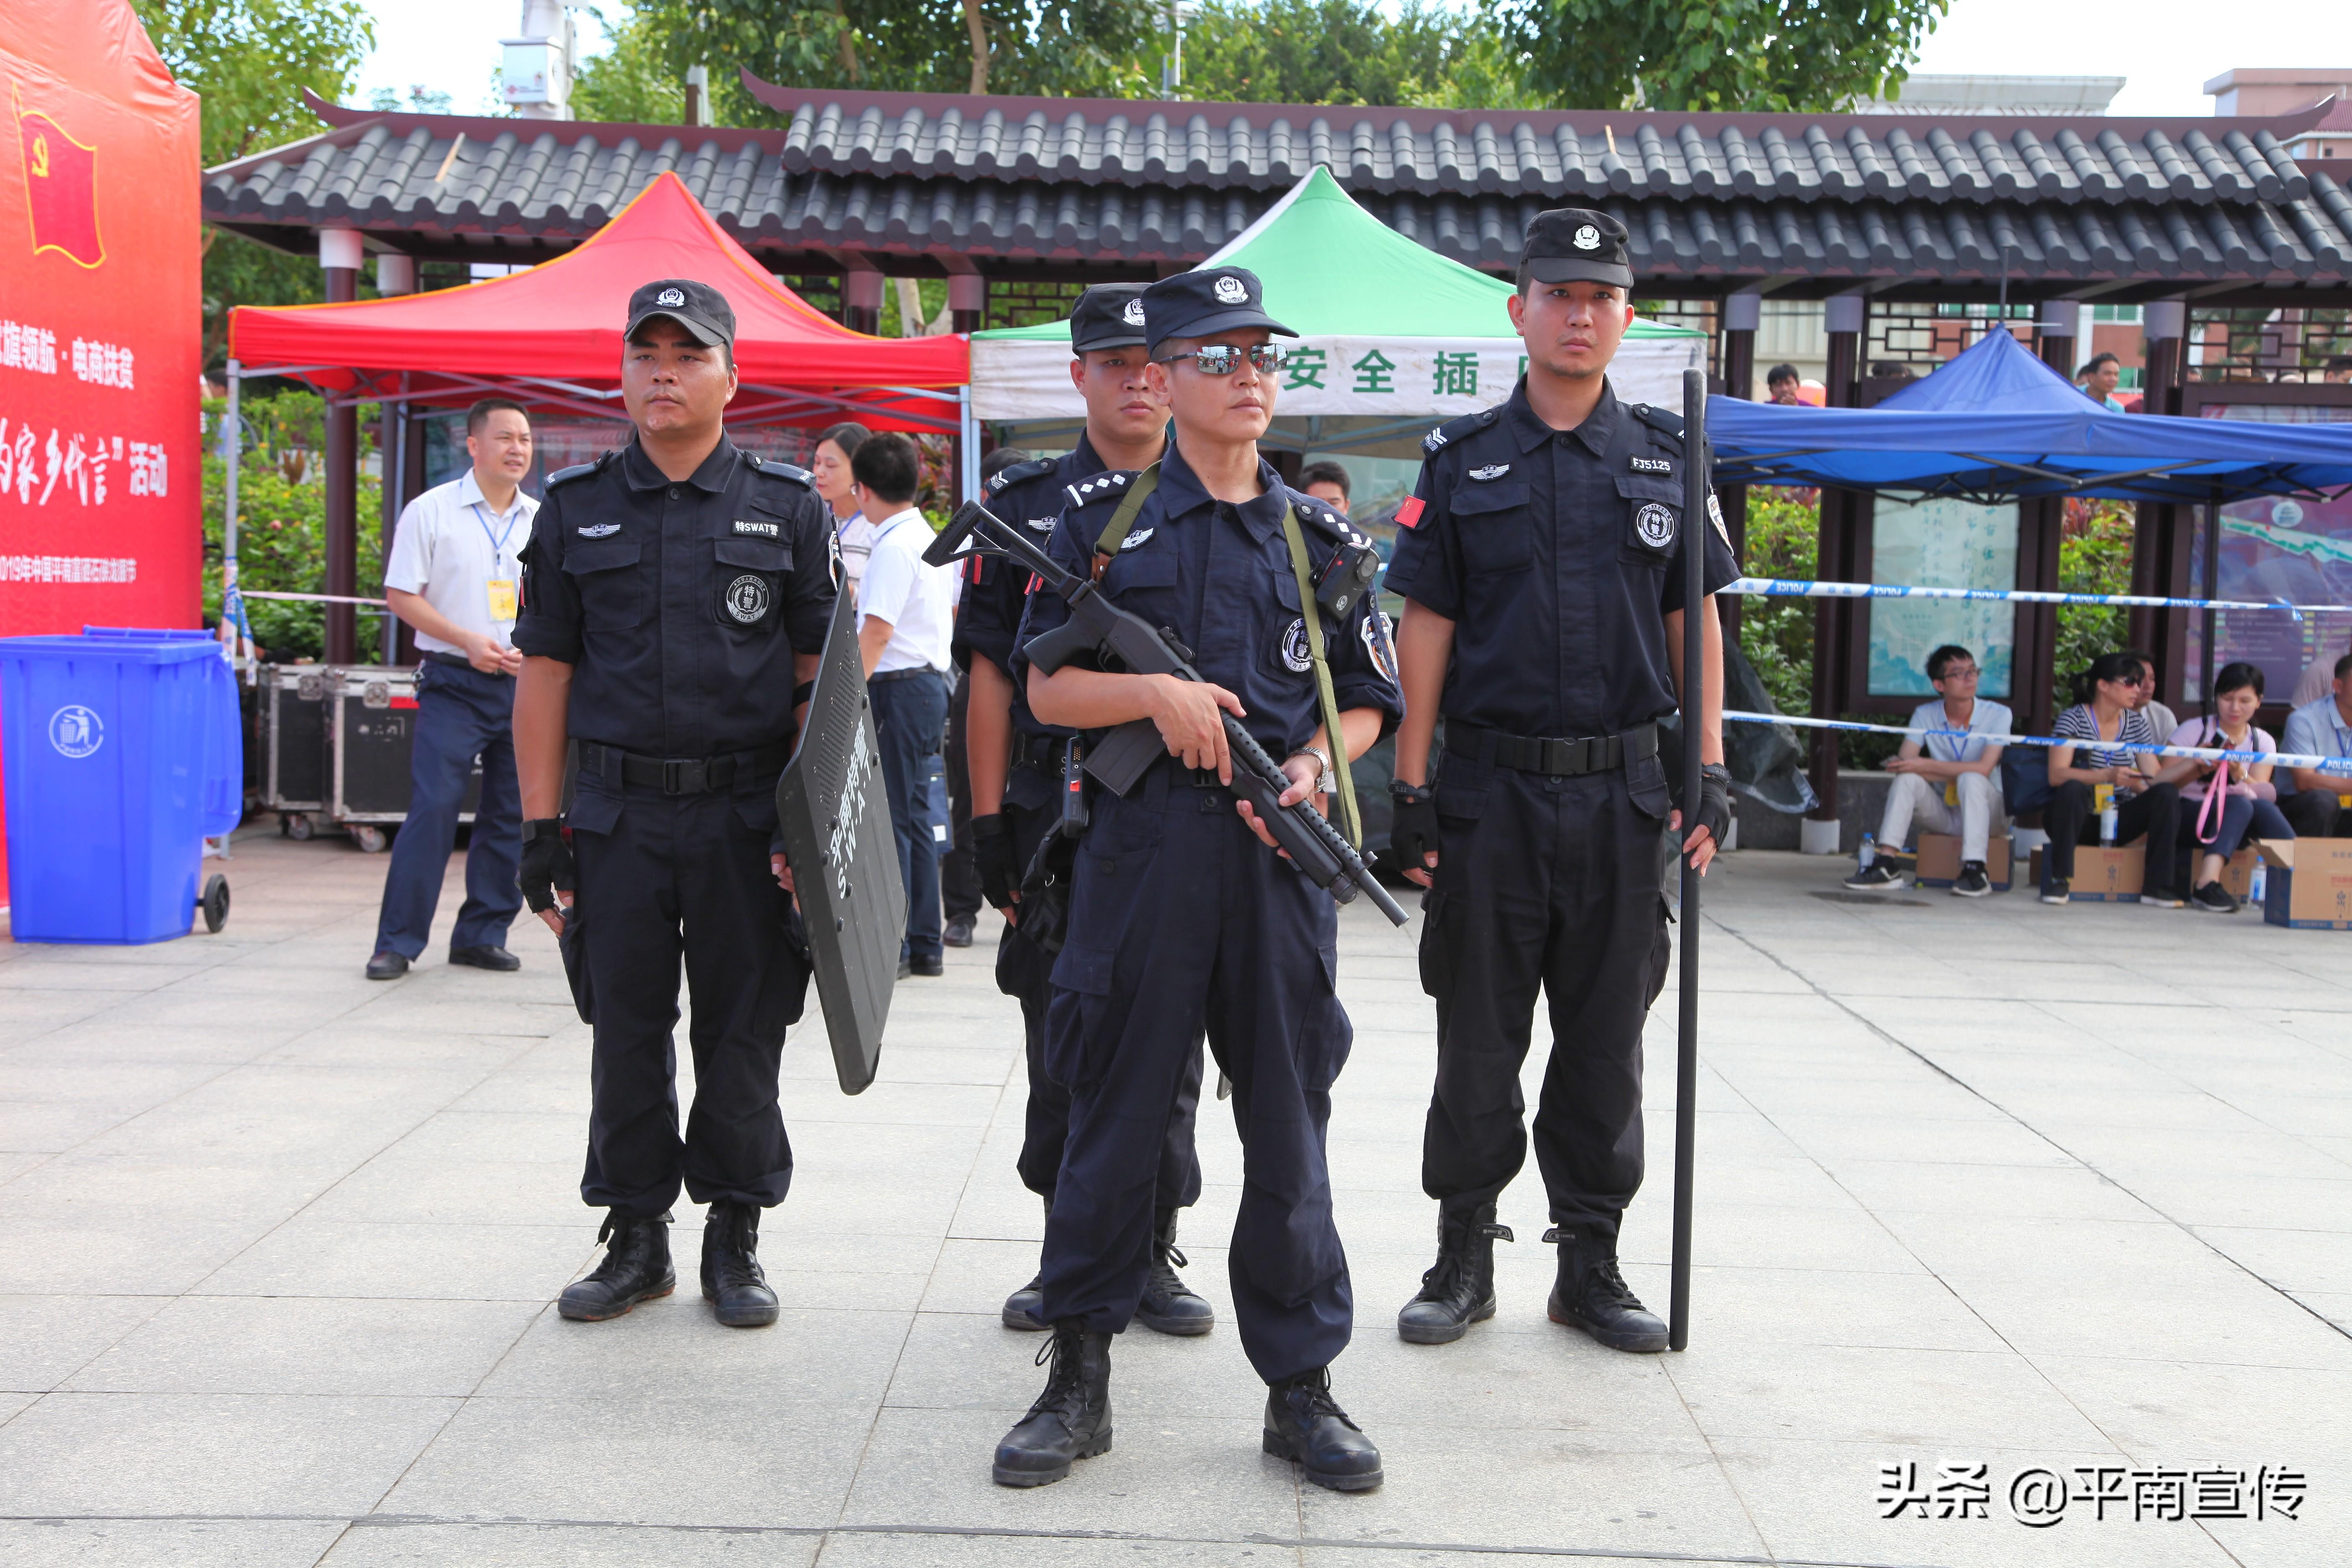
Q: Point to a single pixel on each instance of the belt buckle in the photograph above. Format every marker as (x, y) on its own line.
(685, 776)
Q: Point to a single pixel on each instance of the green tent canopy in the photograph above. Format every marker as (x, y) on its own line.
(1387, 327)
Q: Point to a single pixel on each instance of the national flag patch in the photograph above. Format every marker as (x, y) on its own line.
(1409, 514)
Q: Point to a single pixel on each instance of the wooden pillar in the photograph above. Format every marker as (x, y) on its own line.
(967, 302)
(2059, 328)
(861, 299)
(2041, 526)
(338, 258)
(2160, 534)
(1742, 313)
(1833, 618)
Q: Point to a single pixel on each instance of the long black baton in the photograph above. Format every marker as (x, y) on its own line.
(1695, 525)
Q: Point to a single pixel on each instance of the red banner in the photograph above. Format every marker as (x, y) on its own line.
(100, 323)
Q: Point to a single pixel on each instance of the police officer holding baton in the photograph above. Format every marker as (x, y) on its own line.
(1541, 564)
(675, 598)
(1017, 764)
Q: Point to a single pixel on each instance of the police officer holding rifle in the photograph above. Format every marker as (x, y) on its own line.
(1017, 764)
(675, 599)
(1541, 560)
(1183, 916)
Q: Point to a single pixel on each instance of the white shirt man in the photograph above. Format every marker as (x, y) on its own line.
(915, 601)
(455, 576)
(1949, 778)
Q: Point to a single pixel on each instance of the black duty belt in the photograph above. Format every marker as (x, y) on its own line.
(680, 775)
(1041, 752)
(901, 675)
(1550, 756)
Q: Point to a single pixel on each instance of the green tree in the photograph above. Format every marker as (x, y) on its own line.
(1745, 55)
(1349, 52)
(633, 82)
(2094, 556)
(281, 505)
(250, 61)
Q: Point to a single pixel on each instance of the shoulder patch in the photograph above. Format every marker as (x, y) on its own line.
(1664, 421)
(1313, 513)
(1454, 429)
(798, 476)
(579, 471)
(1020, 473)
(1097, 488)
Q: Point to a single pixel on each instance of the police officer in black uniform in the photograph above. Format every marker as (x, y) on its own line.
(1183, 917)
(1540, 560)
(677, 594)
(1017, 764)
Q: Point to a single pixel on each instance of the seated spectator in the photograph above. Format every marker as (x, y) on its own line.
(2321, 806)
(1950, 779)
(2317, 681)
(1326, 482)
(1781, 384)
(2117, 753)
(2160, 719)
(2249, 800)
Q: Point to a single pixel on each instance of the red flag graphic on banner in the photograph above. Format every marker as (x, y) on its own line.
(60, 188)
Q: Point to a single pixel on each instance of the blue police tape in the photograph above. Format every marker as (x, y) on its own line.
(2281, 759)
(1790, 588)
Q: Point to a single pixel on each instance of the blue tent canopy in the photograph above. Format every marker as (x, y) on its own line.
(1997, 422)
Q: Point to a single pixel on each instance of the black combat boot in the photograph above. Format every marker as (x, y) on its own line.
(1169, 1304)
(1592, 1295)
(732, 1280)
(1302, 1422)
(1460, 1290)
(1071, 1420)
(635, 1268)
(1023, 1310)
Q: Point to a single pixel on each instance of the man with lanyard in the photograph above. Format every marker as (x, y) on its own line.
(676, 596)
(905, 611)
(1017, 764)
(1950, 779)
(452, 575)
(1541, 562)
(1181, 917)
(2321, 806)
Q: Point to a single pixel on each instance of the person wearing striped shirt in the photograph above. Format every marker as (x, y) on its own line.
(2116, 754)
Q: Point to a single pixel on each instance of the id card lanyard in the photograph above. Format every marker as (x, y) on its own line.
(504, 603)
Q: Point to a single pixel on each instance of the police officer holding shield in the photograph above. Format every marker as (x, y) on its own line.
(1182, 916)
(1017, 766)
(1540, 560)
(675, 599)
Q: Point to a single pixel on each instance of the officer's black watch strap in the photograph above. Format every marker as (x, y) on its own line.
(1351, 826)
(1131, 506)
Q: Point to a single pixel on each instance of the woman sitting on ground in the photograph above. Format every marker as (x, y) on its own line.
(2118, 750)
(2252, 800)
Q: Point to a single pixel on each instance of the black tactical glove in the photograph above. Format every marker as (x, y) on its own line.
(1413, 824)
(1714, 812)
(993, 856)
(546, 863)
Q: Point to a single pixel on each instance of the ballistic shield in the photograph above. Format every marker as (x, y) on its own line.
(835, 818)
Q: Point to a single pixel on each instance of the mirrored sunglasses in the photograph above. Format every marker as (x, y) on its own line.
(1222, 359)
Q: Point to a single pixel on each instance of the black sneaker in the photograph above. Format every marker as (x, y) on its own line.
(2056, 890)
(1973, 883)
(2214, 899)
(1880, 878)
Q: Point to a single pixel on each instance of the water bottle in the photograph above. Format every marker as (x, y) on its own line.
(1864, 857)
(2256, 885)
(2107, 824)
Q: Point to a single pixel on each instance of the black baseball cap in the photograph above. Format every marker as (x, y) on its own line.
(1576, 243)
(1107, 316)
(1210, 299)
(701, 310)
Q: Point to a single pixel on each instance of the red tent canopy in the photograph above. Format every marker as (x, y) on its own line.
(551, 336)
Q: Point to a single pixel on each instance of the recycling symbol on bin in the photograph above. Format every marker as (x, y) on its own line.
(76, 732)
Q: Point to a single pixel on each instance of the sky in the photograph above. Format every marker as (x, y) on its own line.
(2167, 49)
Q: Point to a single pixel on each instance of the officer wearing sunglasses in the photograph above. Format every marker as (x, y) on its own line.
(1183, 917)
(1541, 564)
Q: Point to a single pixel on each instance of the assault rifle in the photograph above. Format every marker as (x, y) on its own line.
(1128, 644)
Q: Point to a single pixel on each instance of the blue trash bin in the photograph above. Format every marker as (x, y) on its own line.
(104, 744)
(223, 728)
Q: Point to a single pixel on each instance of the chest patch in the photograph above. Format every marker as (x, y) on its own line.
(1295, 656)
(1491, 471)
(1653, 466)
(1134, 541)
(1654, 525)
(760, 530)
(598, 530)
(747, 598)
(1042, 524)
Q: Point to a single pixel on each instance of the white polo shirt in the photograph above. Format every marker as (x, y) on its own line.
(453, 551)
(916, 599)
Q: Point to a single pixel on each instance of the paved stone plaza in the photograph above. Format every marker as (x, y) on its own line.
(1978, 1183)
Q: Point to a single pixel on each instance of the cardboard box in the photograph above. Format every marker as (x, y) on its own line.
(2103, 876)
(2315, 895)
(2236, 872)
(1939, 861)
